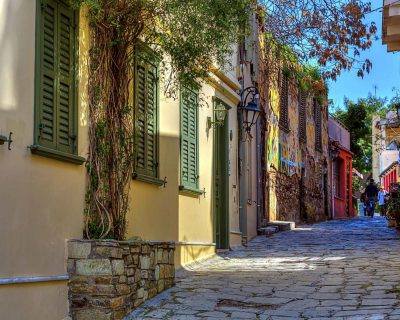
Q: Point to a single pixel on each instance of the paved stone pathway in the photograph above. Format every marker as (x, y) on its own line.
(333, 270)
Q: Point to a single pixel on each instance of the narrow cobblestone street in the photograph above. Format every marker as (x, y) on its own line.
(338, 270)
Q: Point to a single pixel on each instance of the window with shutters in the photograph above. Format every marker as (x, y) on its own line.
(189, 152)
(284, 103)
(302, 116)
(55, 100)
(318, 125)
(146, 117)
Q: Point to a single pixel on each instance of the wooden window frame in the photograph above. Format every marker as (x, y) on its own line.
(145, 53)
(37, 148)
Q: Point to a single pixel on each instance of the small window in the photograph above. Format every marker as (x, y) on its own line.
(318, 125)
(189, 152)
(302, 116)
(55, 102)
(284, 103)
(146, 116)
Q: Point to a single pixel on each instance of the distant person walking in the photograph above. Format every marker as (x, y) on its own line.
(371, 194)
(382, 201)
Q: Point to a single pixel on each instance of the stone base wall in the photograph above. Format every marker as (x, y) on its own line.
(287, 191)
(108, 279)
(301, 200)
(314, 198)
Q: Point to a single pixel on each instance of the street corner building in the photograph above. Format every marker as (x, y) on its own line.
(185, 192)
(385, 153)
(297, 154)
(385, 130)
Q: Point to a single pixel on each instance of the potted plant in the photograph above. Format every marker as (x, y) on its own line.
(393, 207)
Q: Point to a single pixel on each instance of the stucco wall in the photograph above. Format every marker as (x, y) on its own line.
(41, 199)
(166, 214)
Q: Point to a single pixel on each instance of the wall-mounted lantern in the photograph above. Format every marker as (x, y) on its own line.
(4, 139)
(250, 109)
(220, 112)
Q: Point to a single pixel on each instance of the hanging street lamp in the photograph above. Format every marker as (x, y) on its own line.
(249, 109)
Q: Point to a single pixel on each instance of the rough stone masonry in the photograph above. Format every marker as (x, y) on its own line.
(108, 279)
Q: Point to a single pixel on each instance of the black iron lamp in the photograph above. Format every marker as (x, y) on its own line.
(250, 109)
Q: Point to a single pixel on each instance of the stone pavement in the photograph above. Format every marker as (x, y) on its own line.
(332, 270)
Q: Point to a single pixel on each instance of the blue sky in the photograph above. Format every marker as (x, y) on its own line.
(385, 72)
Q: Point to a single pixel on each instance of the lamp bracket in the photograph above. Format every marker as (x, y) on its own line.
(4, 139)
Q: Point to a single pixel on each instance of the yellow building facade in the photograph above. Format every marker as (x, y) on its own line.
(43, 192)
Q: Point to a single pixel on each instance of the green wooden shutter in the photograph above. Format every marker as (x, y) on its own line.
(65, 113)
(151, 121)
(46, 126)
(146, 117)
(140, 117)
(189, 139)
(55, 121)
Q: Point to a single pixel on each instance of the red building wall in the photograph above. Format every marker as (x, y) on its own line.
(343, 186)
(389, 177)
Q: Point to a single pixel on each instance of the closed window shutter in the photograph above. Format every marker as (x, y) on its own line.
(146, 117)
(318, 124)
(47, 135)
(151, 124)
(189, 138)
(55, 126)
(284, 103)
(140, 117)
(302, 116)
(65, 115)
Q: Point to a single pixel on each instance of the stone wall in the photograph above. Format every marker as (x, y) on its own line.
(296, 168)
(108, 279)
(287, 206)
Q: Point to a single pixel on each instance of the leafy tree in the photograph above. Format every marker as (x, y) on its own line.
(357, 117)
(330, 32)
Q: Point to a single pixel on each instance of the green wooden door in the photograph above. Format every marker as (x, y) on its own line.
(220, 186)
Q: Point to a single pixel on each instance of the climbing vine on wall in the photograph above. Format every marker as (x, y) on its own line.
(193, 34)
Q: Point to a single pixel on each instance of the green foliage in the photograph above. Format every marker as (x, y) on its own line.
(357, 184)
(195, 34)
(393, 208)
(308, 76)
(357, 117)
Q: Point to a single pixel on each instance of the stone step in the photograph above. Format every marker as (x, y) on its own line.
(282, 225)
(267, 231)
